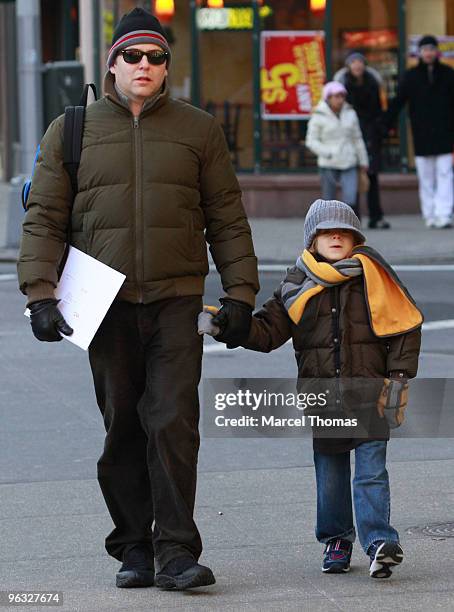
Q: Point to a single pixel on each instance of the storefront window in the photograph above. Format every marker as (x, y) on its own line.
(300, 24)
(372, 29)
(226, 74)
(436, 18)
(316, 37)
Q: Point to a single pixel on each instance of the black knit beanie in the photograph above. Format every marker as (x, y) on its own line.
(428, 39)
(136, 27)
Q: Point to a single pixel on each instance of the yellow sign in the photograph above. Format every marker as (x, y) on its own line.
(239, 18)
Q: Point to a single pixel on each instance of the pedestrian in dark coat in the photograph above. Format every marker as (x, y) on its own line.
(155, 184)
(363, 93)
(348, 316)
(428, 89)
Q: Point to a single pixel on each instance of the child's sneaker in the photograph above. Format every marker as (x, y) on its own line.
(337, 557)
(383, 556)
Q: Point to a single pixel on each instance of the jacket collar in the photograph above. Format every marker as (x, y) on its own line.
(114, 95)
(325, 109)
(423, 66)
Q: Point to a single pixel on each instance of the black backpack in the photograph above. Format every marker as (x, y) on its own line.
(72, 142)
(72, 147)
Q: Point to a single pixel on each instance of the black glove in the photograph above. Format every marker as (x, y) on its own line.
(234, 322)
(47, 321)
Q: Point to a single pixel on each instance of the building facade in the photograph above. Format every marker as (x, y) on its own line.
(231, 58)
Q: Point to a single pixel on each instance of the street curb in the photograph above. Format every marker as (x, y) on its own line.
(287, 262)
(448, 260)
(8, 256)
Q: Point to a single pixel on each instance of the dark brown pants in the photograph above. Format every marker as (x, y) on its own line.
(146, 365)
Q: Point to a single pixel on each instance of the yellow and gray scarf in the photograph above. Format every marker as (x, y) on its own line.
(391, 308)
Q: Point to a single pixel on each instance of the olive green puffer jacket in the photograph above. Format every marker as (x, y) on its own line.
(152, 192)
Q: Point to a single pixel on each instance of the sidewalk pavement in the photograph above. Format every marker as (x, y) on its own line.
(407, 242)
(257, 526)
(255, 501)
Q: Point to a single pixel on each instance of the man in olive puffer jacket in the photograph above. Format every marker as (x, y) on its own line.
(155, 183)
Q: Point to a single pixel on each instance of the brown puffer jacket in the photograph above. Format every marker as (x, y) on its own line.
(334, 340)
(152, 192)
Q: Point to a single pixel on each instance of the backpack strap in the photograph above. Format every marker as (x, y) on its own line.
(72, 142)
(84, 96)
(73, 132)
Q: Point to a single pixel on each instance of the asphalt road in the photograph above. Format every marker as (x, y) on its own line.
(53, 520)
(432, 290)
(47, 387)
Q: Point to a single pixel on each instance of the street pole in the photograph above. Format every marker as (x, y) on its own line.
(402, 59)
(69, 42)
(86, 39)
(257, 95)
(8, 111)
(116, 12)
(96, 16)
(28, 23)
(195, 59)
(328, 23)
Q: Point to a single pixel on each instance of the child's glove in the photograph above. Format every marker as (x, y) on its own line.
(393, 400)
(205, 321)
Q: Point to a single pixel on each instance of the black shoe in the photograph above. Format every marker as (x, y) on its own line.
(384, 556)
(380, 224)
(183, 573)
(137, 569)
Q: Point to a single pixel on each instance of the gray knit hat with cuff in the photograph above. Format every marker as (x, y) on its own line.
(330, 214)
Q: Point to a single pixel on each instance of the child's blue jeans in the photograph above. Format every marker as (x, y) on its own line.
(371, 496)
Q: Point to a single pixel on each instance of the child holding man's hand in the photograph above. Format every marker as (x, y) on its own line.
(349, 316)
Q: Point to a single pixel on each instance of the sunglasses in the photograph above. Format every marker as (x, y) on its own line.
(154, 57)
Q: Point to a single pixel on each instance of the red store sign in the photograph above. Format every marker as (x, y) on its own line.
(292, 73)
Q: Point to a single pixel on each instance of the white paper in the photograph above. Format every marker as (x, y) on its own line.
(86, 289)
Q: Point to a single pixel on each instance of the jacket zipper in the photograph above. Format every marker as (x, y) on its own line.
(138, 228)
(335, 308)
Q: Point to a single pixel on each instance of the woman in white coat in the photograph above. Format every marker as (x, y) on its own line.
(334, 136)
